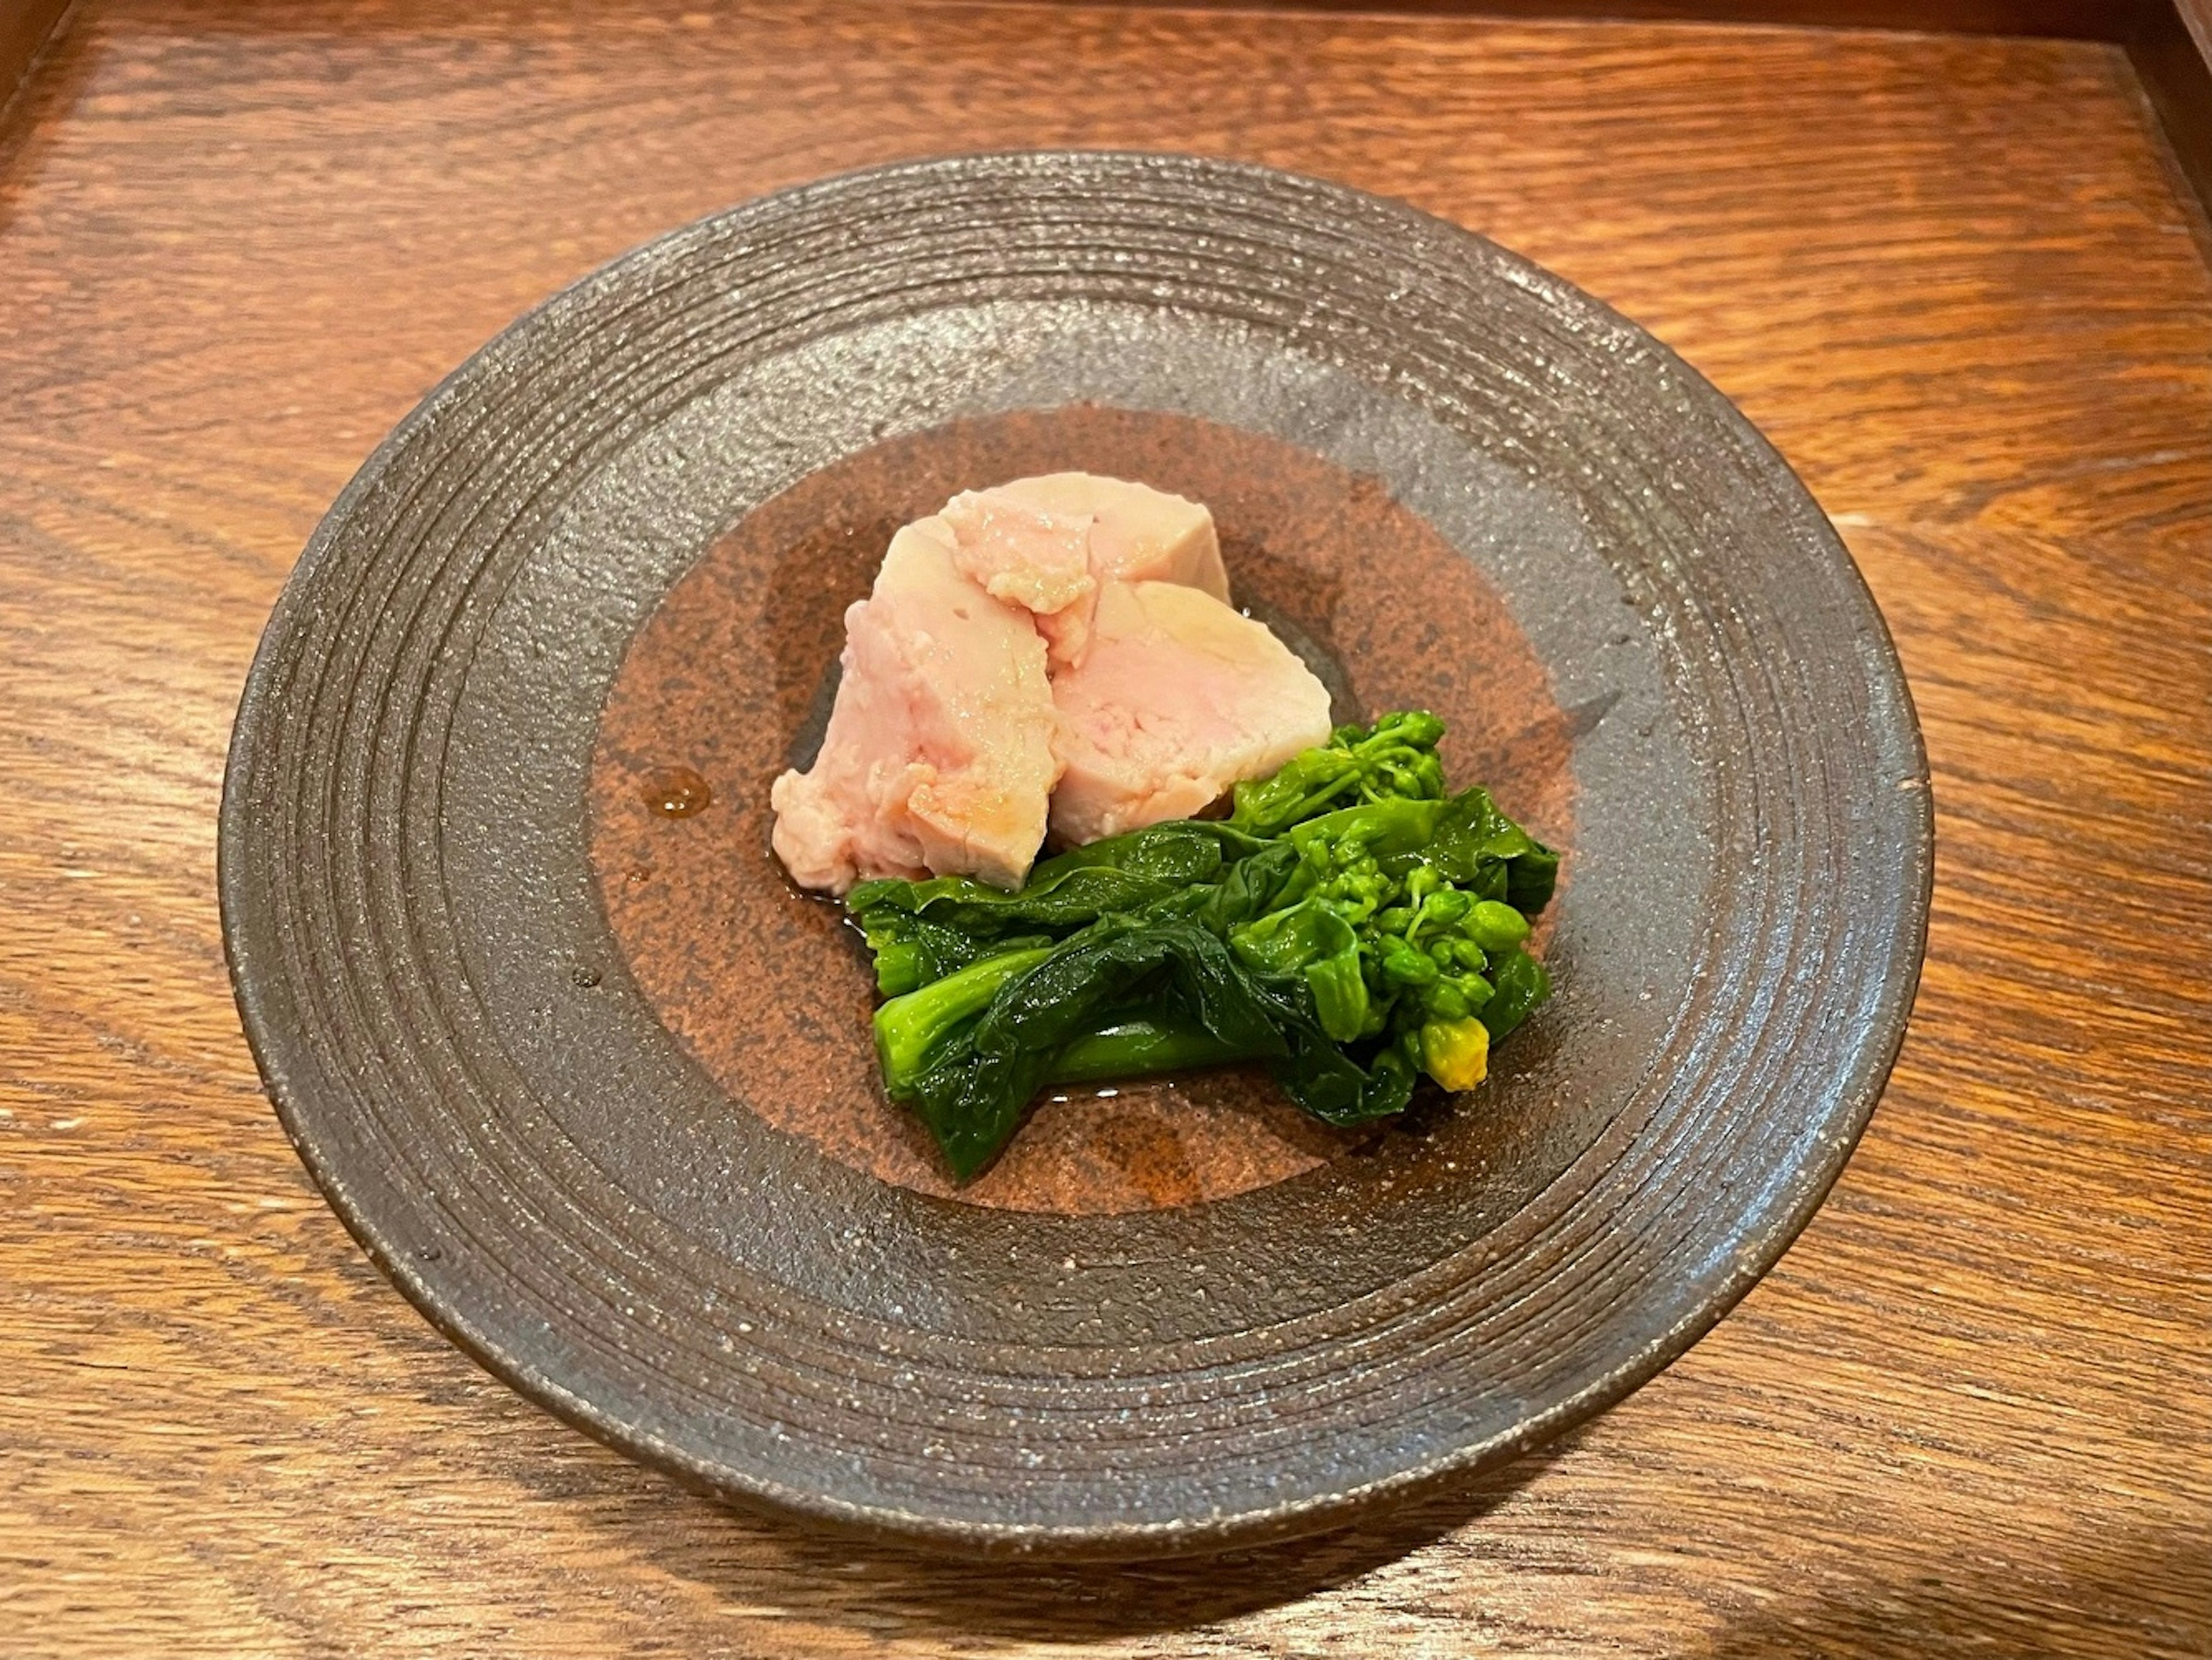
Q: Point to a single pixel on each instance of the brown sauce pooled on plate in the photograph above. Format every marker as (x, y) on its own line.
(676, 792)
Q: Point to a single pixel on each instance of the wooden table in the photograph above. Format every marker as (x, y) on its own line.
(1952, 278)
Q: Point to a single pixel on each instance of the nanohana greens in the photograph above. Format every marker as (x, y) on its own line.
(1350, 923)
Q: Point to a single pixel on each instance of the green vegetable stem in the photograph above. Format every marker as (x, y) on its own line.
(1134, 1047)
(1350, 924)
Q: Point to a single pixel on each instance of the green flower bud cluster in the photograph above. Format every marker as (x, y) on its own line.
(1389, 944)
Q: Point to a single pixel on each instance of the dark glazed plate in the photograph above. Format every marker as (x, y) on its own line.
(592, 1086)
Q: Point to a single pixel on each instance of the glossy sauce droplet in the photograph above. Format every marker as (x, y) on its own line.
(676, 792)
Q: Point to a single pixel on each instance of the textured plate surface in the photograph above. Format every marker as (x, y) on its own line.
(635, 1226)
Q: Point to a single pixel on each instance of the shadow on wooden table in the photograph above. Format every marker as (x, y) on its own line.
(927, 1595)
(2146, 1596)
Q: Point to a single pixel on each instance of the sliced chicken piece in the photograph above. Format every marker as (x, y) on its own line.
(1138, 534)
(1047, 544)
(1178, 698)
(939, 757)
(1027, 556)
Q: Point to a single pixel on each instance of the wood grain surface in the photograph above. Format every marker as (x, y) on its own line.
(1966, 1416)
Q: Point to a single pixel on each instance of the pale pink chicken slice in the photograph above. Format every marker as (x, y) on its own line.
(1027, 556)
(1048, 543)
(1178, 698)
(1138, 534)
(939, 757)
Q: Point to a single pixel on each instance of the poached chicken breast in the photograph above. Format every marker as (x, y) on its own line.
(1050, 543)
(1058, 649)
(1178, 699)
(939, 755)
(1032, 558)
(1138, 534)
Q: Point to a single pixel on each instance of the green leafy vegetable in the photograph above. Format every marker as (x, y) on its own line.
(1395, 757)
(1350, 924)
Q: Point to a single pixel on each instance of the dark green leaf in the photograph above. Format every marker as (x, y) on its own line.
(1522, 984)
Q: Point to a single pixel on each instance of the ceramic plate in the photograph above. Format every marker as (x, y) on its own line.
(593, 1085)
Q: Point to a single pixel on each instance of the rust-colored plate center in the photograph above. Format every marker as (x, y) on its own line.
(769, 988)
